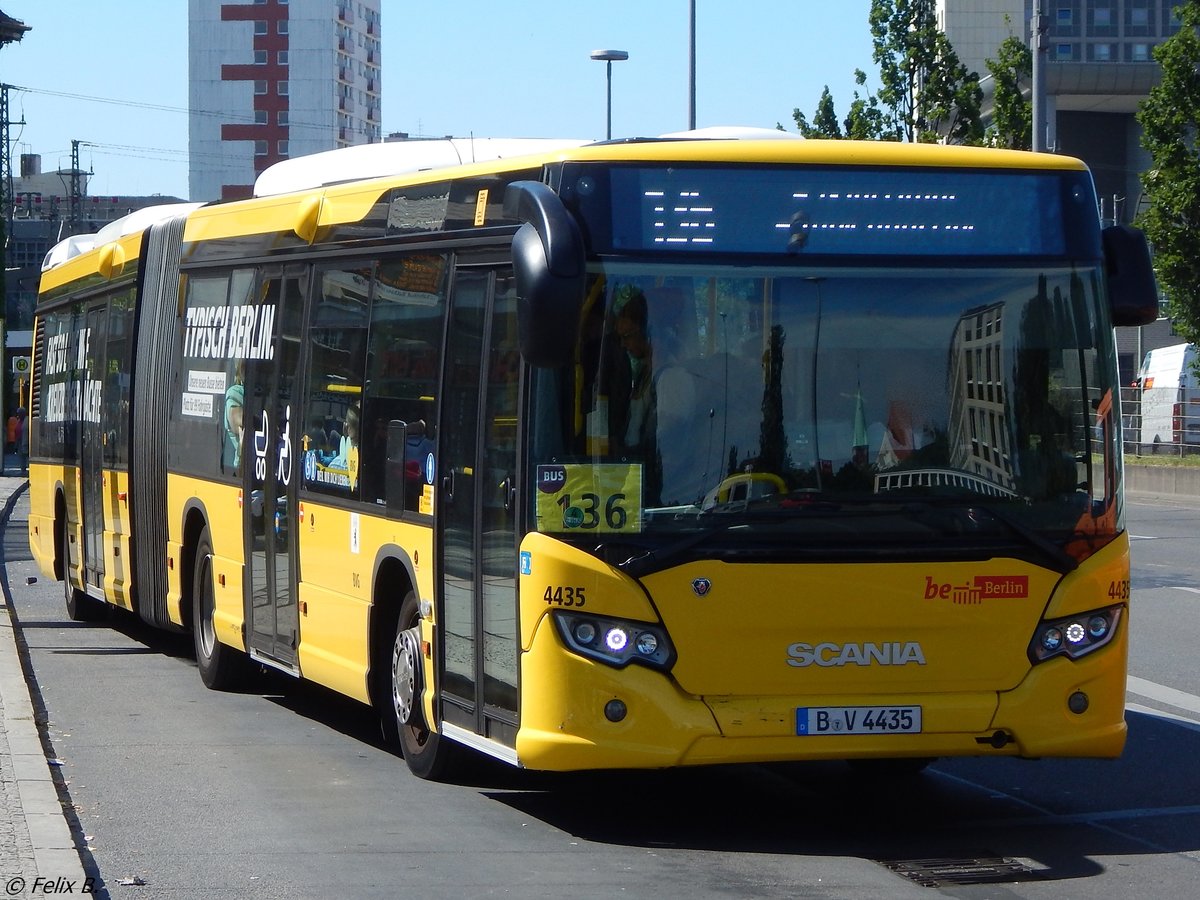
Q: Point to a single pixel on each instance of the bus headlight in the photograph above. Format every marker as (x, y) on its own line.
(1051, 639)
(616, 642)
(1074, 636)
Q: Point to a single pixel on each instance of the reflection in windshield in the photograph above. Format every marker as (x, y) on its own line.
(747, 392)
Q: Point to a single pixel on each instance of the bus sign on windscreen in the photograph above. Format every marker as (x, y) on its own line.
(822, 210)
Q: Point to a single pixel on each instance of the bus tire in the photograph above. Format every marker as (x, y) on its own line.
(222, 668)
(425, 753)
(81, 607)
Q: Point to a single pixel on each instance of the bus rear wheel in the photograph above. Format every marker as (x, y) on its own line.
(222, 668)
(425, 753)
(80, 606)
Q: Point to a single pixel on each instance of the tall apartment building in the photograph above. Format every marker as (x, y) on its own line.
(977, 27)
(272, 79)
(1105, 31)
(1099, 66)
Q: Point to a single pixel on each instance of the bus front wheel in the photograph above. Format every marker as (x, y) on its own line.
(425, 753)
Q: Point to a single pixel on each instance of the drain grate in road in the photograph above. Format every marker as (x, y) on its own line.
(975, 870)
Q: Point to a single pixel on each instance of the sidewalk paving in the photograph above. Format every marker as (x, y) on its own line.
(36, 845)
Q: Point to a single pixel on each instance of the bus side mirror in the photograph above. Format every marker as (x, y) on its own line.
(1132, 291)
(548, 262)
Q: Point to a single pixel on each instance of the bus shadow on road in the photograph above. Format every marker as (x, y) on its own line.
(168, 643)
(1053, 818)
(123, 633)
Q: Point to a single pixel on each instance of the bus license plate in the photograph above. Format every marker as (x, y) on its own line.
(818, 720)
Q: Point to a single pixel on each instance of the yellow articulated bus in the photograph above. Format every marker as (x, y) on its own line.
(629, 455)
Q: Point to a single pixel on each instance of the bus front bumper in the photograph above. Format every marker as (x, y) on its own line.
(570, 721)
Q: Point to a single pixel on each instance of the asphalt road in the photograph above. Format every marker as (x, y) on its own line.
(285, 791)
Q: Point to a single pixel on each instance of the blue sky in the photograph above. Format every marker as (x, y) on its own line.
(461, 67)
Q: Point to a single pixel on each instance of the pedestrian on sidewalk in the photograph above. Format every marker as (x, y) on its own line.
(11, 435)
(22, 442)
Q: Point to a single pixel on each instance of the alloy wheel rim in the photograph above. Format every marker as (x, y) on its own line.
(207, 630)
(403, 680)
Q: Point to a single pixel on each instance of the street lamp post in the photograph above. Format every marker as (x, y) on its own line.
(1038, 28)
(692, 66)
(609, 57)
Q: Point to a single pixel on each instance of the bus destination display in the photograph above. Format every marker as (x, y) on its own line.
(835, 211)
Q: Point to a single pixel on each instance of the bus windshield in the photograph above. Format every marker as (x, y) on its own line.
(883, 408)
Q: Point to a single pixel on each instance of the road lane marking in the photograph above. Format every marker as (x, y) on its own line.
(1163, 694)
(1043, 816)
(1185, 721)
(1180, 587)
(1093, 818)
(1142, 537)
(1108, 820)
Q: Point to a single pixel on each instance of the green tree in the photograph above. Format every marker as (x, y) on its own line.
(866, 120)
(825, 121)
(925, 89)
(1170, 120)
(1012, 113)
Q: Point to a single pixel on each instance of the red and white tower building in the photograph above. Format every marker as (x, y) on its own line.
(273, 79)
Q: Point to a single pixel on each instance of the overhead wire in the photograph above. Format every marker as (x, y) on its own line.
(138, 152)
(217, 114)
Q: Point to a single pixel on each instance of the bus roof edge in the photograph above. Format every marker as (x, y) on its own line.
(363, 161)
(734, 133)
(138, 220)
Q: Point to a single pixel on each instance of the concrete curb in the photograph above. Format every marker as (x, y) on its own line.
(54, 851)
(1164, 480)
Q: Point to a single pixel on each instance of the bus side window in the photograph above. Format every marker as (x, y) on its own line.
(333, 452)
(408, 313)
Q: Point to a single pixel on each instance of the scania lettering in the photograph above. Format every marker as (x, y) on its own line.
(886, 654)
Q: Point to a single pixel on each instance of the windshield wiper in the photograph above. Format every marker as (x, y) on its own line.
(657, 558)
(660, 557)
(1060, 560)
(740, 516)
(745, 515)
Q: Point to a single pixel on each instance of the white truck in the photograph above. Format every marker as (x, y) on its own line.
(1168, 391)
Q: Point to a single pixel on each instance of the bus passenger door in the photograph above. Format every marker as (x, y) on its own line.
(270, 471)
(477, 548)
(91, 447)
